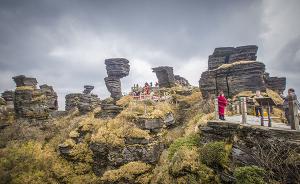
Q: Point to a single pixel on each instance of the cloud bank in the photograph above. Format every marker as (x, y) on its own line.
(64, 43)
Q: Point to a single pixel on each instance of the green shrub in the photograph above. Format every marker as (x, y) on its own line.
(188, 141)
(215, 154)
(249, 175)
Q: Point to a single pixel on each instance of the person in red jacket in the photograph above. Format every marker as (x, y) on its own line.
(222, 103)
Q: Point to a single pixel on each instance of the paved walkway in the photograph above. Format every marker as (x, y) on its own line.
(253, 120)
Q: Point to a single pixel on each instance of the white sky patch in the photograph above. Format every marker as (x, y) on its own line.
(192, 69)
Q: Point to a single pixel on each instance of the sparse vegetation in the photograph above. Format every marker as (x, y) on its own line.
(126, 172)
(249, 175)
(189, 142)
(215, 154)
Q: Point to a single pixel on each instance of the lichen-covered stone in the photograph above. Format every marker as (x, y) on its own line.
(106, 156)
(237, 77)
(84, 102)
(30, 102)
(108, 110)
(247, 139)
(51, 97)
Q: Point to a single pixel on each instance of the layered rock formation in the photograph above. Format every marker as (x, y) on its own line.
(238, 76)
(30, 102)
(51, 97)
(165, 76)
(277, 84)
(181, 80)
(8, 97)
(116, 68)
(85, 102)
(226, 55)
(255, 145)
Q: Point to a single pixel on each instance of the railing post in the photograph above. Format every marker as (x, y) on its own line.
(216, 109)
(293, 112)
(244, 110)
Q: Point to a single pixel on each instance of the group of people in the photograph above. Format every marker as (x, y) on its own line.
(145, 90)
(222, 103)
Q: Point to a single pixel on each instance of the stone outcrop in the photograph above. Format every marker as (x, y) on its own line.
(277, 84)
(108, 110)
(22, 80)
(181, 80)
(51, 97)
(8, 97)
(85, 102)
(88, 89)
(226, 55)
(257, 145)
(165, 76)
(6, 109)
(116, 68)
(30, 102)
(106, 156)
(236, 75)
(113, 84)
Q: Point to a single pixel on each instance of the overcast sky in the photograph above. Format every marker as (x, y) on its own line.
(64, 43)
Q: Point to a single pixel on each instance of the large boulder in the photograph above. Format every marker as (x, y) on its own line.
(234, 70)
(116, 68)
(51, 97)
(85, 102)
(30, 102)
(225, 55)
(165, 76)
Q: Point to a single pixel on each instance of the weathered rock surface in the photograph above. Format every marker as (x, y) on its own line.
(181, 80)
(165, 76)
(51, 97)
(245, 76)
(155, 124)
(226, 55)
(277, 84)
(8, 97)
(85, 102)
(236, 75)
(116, 68)
(108, 110)
(113, 84)
(33, 103)
(88, 89)
(106, 156)
(22, 80)
(255, 145)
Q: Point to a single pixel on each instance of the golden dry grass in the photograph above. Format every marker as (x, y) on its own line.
(226, 66)
(23, 88)
(127, 172)
(275, 96)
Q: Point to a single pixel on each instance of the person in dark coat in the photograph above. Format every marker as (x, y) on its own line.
(222, 103)
(291, 92)
(258, 108)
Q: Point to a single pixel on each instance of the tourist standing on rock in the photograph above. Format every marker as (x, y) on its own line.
(222, 103)
(258, 108)
(291, 92)
(146, 89)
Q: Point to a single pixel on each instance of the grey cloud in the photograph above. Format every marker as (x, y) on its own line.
(64, 43)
